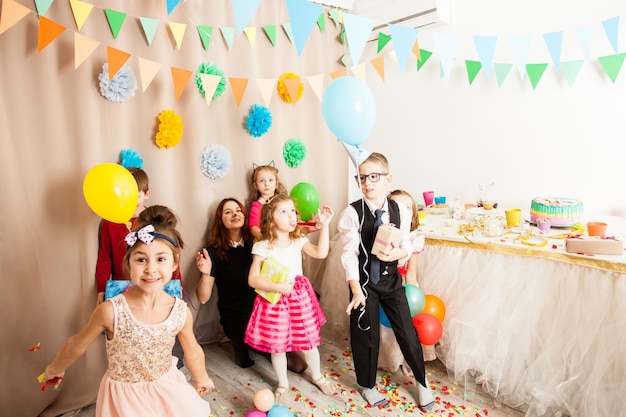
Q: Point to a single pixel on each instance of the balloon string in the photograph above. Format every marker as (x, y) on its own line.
(366, 263)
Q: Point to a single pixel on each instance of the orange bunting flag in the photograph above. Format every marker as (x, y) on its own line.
(180, 77)
(379, 65)
(238, 85)
(12, 12)
(292, 85)
(48, 31)
(416, 50)
(116, 60)
(336, 74)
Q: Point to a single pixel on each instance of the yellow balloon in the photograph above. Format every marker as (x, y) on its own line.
(110, 190)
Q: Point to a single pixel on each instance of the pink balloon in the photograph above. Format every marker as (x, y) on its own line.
(256, 413)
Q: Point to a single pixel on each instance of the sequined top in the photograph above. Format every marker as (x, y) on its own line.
(142, 352)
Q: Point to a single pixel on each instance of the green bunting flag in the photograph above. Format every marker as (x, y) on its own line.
(383, 40)
(473, 68)
(535, 72)
(612, 64)
(424, 55)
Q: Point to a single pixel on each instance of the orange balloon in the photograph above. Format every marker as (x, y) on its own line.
(434, 306)
(264, 399)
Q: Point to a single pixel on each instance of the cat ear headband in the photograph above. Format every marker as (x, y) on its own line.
(146, 235)
(271, 164)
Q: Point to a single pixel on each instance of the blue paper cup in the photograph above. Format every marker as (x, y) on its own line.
(440, 200)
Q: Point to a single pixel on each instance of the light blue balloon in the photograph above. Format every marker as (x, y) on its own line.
(349, 109)
(279, 411)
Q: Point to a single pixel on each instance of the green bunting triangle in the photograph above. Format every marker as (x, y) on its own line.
(342, 36)
(571, 70)
(321, 22)
(535, 72)
(473, 67)
(612, 64)
(501, 70)
(334, 15)
(205, 32)
(116, 20)
(149, 28)
(270, 31)
(424, 55)
(229, 35)
(383, 40)
(288, 31)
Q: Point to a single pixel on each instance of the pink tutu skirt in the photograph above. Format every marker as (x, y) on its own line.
(292, 324)
(169, 396)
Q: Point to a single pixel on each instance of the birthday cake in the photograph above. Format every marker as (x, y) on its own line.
(562, 212)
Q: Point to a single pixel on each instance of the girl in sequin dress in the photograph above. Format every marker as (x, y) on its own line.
(141, 325)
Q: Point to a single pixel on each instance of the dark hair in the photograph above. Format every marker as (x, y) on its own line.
(219, 237)
(255, 194)
(415, 218)
(141, 178)
(267, 218)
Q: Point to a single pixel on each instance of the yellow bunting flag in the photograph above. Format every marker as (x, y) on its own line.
(12, 12)
(209, 84)
(48, 31)
(116, 60)
(178, 32)
(238, 85)
(81, 11)
(336, 74)
(292, 85)
(180, 77)
(83, 47)
(251, 35)
(379, 65)
(147, 71)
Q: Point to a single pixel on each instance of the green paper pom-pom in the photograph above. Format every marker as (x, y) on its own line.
(211, 69)
(294, 152)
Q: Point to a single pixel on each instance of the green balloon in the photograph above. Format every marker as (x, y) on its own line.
(307, 200)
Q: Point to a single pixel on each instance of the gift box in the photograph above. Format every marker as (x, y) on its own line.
(275, 272)
(384, 237)
(599, 245)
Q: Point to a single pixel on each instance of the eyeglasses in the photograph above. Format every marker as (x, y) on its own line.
(373, 177)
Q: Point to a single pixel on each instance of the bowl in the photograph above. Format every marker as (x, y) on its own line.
(596, 228)
(438, 210)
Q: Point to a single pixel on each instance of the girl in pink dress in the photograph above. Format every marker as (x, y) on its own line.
(265, 185)
(141, 325)
(293, 323)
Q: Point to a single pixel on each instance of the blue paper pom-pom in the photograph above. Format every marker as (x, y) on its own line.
(130, 158)
(121, 88)
(216, 161)
(259, 120)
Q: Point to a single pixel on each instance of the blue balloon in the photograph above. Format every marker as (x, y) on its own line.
(279, 411)
(415, 297)
(383, 318)
(349, 109)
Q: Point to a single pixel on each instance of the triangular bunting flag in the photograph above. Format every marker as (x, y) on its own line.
(116, 60)
(48, 31)
(251, 35)
(12, 12)
(243, 11)
(520, 46)
(317, 85)
(334, 15)
(270, 31)
(205, 33)
(383, 40)
(610, 28)
(392, 54)
(303, 17)
(288, 31)
(321, 22)
(266, 87)
(43, 6)
(403, 40)
(554, 42)
(149, 27)
(359, 71)
(147, 71)
(116, 20)
(336, 74)
(571, 70)
(612, 64)
(292, 85)
(171, 5)
(473, 67)
(81, 11)
(416, 49)
(358, 30)
(485, 47)
(238, 85)
(584, 39)
(535, 72)
(83, 47)
(379, 65)
(344, 60)
(180, 77)
(228, 34)
(209, 84)
(501, 71)
(178, 32)
(424, 55)
(446, 44)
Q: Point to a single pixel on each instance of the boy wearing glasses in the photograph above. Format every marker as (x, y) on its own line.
(374, 280)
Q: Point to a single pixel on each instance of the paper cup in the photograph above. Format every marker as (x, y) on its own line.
(428, 198)
(513, 217)
(596, 228)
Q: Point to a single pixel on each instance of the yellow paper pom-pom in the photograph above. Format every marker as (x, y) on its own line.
(282, 88)
(170, 129)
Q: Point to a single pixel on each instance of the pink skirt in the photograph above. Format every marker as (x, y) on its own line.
(169, 396)
(292, 324)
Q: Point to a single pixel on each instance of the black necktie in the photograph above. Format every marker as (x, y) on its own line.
(375, 263)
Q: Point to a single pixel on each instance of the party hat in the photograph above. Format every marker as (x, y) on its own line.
(356, 154)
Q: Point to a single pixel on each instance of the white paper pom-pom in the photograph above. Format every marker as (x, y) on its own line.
(216, 161)
(121, 87)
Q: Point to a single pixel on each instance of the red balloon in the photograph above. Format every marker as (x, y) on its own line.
(434, 306)
(429, 328)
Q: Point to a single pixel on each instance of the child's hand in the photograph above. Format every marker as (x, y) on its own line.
(358, 299)
(203, 262)
(285, 287)
(325, 214)
(392, 254)
(204, 387)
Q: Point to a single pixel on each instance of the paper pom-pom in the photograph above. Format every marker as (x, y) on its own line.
(121, 88)
(282, 89)
(215, 162)
(130, 158)
(170, 129)
(212, 69)
(259, 120)
(294, 152)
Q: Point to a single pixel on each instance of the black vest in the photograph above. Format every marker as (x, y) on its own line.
(367, 235)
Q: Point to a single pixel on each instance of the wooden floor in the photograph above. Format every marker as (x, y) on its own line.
(236, 388)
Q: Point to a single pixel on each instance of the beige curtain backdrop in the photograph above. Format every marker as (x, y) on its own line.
(55, 126)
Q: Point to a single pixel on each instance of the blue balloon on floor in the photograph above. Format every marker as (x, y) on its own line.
(279, 411)
(383, 317)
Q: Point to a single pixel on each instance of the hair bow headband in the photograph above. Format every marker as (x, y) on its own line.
(146, 234)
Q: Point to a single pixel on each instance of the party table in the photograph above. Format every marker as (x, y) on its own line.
(536, 327)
